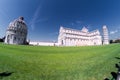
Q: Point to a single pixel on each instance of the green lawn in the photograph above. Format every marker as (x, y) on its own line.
(58, 63)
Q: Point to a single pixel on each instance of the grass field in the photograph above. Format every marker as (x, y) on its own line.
(58, 63)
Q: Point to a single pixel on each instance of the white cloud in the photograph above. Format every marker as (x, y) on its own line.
(79, 22)
(2, 31)
(113, 32)
(72, 24)
(54, 33)
(35, 17)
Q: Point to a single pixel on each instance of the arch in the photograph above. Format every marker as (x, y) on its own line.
(61, 42)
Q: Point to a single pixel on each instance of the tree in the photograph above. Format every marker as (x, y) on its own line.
(2, 39)
(111, 41)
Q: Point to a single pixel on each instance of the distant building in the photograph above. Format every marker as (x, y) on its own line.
(35, 43)
(16, 32)
(73, 37)
(105, 35)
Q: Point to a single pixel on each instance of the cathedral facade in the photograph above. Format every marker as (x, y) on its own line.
(16, 32)
(73, 37)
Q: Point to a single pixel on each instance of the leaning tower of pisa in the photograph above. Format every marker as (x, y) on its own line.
(105, 35)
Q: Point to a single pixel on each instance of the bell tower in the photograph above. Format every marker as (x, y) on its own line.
(105, 35)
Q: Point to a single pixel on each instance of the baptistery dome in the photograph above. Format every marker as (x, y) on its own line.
(16, 32)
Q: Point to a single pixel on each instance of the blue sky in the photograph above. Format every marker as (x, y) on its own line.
(44, 17)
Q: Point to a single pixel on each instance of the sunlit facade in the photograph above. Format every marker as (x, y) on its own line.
(16, 32)
(73, 37)
(105, 35)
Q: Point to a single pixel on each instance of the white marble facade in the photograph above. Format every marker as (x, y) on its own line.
(16, 32)
(105, 35)
(39, 43)
(73, 37)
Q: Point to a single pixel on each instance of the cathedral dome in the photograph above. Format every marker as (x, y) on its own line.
(18, 25)
(16, 32)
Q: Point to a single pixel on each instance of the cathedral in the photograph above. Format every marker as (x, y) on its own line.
(16, 32)
(73, 37)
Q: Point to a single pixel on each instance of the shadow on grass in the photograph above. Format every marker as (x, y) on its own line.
(5, 74)
(115, 75)
(117, 57)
